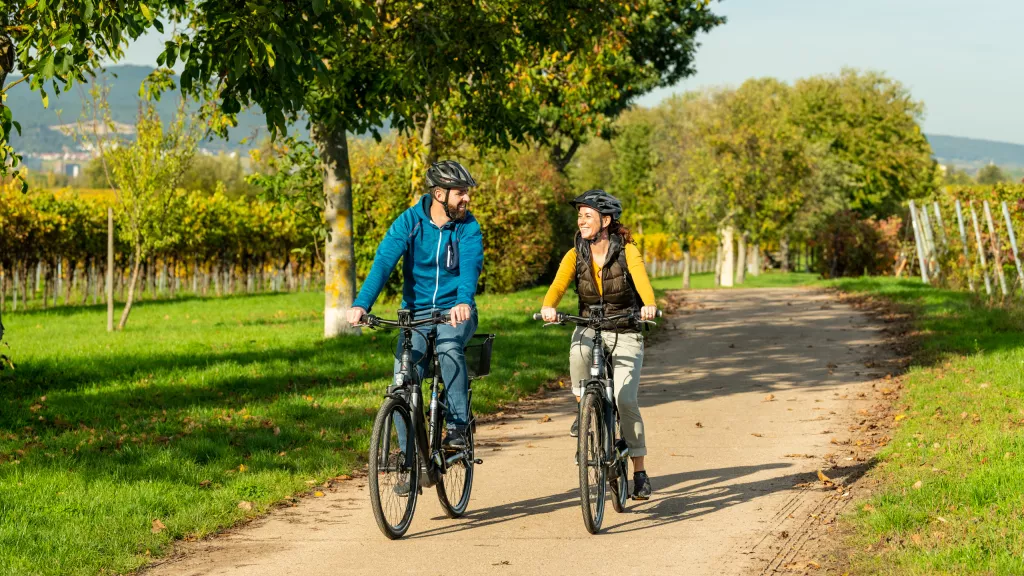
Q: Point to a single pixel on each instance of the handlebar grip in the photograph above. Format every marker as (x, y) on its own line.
(659, 313)
(538, 317)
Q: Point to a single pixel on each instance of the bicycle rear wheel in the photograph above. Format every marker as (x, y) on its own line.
(455, 486)
(394, 484)
(591, 457)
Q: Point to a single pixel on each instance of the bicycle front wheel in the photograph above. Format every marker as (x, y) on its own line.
(455, 486)
(393, 478)
(590, 458)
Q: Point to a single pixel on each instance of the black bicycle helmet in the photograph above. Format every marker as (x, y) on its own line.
(449, 174)
(603, 202)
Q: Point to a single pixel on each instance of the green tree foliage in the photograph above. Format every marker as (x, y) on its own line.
(956, 177)
(870, 123)
(56, 44)
(633, 173)
(145, 173)
(991, 174)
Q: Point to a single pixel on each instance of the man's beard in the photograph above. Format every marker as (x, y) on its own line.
(459, 211)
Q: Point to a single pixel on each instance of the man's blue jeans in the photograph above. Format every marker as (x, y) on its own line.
(449, 343)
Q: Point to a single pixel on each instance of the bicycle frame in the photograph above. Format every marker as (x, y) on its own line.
(426, 421)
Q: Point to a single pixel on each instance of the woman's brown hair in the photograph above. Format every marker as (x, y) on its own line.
(622, 231)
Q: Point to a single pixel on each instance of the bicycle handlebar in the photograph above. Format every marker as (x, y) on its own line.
(562, 318)
(375, 321)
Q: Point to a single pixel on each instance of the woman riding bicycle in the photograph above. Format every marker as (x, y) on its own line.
(608, 269)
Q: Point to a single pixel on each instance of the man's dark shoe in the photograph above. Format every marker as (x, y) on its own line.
(574, 430)
(456, 439)
(641, 486)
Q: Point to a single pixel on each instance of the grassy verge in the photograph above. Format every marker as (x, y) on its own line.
(952, 497)
(202, 413)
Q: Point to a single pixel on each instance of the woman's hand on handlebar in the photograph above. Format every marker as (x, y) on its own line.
(549, 314)
(648, 313)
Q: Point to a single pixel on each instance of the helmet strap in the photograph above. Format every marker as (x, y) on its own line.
(447, 211)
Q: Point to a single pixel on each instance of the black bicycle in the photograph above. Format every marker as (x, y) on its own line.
(601, 453)
(406, 448)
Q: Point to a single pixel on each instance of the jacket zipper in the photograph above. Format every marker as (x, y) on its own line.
(437, 265)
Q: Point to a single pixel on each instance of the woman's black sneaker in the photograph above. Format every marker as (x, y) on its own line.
(641, 486)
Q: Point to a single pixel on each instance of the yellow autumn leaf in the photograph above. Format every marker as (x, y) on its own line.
(899, 417)
(318, 494)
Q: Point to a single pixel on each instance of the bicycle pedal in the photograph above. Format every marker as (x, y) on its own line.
(478, 461)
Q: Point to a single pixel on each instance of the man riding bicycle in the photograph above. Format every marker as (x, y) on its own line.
(442, 249)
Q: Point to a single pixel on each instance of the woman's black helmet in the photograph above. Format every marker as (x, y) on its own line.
(449, 174)
(603, 202)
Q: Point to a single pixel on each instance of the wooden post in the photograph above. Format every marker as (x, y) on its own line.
(938, 221)
(918, 242)
(981, 249)
(110, 269)
(1013, 244)
(963, 240)
(994, 239)
(931, 252)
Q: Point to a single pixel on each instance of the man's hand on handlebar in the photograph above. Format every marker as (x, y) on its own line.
(460, 313)
(355, 315)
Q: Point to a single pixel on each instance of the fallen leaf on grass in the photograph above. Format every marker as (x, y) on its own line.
(204, 483)
(242, 467)
(941, 519)
(243, 505)
(158, 526)
(868, 507)
(916, 538)
(917, 485)
(898, 417)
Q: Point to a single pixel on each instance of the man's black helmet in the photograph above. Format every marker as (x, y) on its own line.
(603, 202)
(449, 174)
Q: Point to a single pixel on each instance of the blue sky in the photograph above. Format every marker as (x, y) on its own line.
(965, 60)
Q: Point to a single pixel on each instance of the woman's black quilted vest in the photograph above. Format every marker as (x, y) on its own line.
(620, 295)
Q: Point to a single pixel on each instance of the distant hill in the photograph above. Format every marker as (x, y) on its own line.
(124, 81)
(971, 152)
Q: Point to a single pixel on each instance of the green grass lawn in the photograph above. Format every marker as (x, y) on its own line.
(706, 281)
(962, 439)
(113, 445)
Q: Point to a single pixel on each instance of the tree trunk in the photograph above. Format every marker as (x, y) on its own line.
(3, 289)
(755, 251)
(784, 253)
(719, 260)
(131, 289)
(339, 253)
(72, 280)
(741, 261)
(686, 270)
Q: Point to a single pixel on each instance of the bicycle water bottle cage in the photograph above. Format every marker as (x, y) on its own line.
(404, 317)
